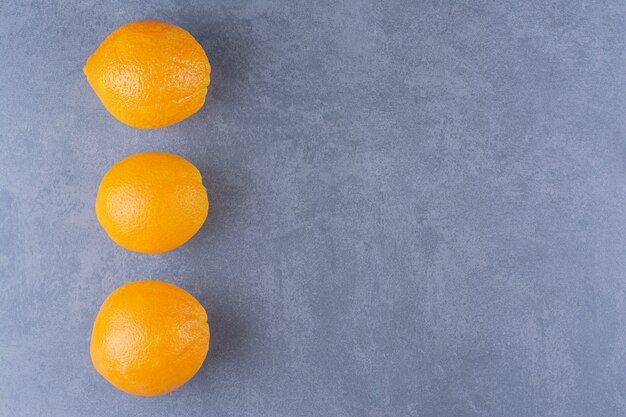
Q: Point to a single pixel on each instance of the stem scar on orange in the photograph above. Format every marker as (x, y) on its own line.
(149, 338)
(152, 202)
(150, 74)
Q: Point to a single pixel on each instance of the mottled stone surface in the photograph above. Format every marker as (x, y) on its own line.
(418, 208)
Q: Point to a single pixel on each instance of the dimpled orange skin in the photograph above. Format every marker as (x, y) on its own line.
(149, 338)
(150, 74)
(152, 202)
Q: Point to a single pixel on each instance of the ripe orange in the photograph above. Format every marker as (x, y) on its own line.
(152, 202)
(150, 74)
(149, 338)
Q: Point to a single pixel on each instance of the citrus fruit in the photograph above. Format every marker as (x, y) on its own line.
(152, 202)
(149, 338)
(149, 74)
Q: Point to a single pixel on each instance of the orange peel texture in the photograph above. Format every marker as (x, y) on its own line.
(150, 74)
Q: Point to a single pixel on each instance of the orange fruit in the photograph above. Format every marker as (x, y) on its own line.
(150, 74)
(152, 202)
(149, 338)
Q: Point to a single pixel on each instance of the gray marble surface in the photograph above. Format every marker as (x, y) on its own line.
(418, 208)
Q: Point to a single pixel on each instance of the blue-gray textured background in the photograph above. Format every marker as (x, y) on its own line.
(418, 208)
